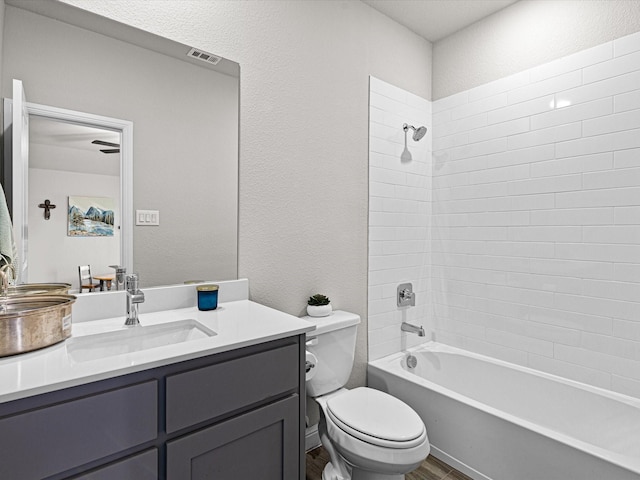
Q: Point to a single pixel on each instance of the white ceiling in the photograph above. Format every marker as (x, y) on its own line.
(436, 19)
(79, 154)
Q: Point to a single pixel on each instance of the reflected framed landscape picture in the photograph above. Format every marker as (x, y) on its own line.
(90, 216)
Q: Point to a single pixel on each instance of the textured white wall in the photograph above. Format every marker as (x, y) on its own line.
(399, 216)
(305, 70)
(526, 34)
(536, 242)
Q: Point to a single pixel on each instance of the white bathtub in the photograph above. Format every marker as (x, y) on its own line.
(495, 420)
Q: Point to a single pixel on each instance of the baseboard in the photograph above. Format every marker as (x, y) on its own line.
(455, 463)
(311, 438)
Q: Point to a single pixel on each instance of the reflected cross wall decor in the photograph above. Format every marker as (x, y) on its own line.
(48, 206)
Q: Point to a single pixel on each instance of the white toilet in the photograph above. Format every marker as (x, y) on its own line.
(368, 434)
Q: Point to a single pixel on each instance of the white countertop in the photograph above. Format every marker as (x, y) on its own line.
(237, 324)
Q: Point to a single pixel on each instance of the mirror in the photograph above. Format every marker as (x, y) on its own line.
(184, 113)
(64, 157)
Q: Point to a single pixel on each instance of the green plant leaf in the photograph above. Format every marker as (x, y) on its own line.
(318, 299)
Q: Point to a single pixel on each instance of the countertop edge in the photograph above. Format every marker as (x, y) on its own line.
(294, 326)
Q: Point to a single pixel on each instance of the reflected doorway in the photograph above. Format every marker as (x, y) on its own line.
(68, 162)
(17, 158)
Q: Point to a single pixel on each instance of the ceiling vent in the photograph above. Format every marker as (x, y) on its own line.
(204, 56)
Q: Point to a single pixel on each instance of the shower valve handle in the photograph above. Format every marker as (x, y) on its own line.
(406, 296)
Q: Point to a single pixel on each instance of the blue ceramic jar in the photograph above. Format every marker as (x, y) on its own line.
(207, 297)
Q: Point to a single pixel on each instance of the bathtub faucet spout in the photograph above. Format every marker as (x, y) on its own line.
(408, 327)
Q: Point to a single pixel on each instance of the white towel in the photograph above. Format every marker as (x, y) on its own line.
(8, 250)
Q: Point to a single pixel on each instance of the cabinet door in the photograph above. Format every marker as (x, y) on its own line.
(262, 444)
(206, 393)
(39, 443)
(139, 467)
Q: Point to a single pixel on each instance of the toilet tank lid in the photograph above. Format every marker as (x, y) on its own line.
(338, 319)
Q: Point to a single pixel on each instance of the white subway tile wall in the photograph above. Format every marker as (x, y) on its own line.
(535, 222)
(399, 216)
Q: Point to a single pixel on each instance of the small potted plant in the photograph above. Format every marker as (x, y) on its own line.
(319, 306)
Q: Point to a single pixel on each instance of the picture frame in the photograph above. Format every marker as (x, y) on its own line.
(91, 216)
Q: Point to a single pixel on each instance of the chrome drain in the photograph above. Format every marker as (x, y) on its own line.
(412, 361)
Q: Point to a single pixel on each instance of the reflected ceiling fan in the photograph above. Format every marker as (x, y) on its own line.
(115, 147)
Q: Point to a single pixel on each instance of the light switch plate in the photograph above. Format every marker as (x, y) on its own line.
(147, 217)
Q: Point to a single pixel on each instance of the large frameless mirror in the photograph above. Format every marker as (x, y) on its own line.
(183, 109)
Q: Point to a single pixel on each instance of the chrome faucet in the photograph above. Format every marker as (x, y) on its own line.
(134, 297)
(5, 269)
(120, 277)
(4, 284)
(408, 327)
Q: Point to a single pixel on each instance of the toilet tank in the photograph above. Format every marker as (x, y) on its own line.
(333, 342)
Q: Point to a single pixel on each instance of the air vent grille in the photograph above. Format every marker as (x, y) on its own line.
(204, 56)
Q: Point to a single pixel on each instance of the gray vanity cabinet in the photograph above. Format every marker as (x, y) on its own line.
(261, 444)
(143, 466)
(51, 438)
(229, 416)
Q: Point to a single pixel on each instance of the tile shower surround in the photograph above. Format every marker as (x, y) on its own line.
(535, 219)
(399, 214)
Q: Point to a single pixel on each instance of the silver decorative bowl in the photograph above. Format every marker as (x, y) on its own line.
(39, 289)
(30, 322)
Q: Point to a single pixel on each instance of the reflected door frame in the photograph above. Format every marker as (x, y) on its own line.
(20, 194)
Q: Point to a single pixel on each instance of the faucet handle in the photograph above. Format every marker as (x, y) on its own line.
(406, 296)
(132, 282)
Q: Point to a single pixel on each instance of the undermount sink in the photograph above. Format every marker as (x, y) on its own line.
(135, 339)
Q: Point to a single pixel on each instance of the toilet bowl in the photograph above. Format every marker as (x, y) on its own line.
(375, 434)
(368, 434)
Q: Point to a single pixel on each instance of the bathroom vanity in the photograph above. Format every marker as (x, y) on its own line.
(225, 406)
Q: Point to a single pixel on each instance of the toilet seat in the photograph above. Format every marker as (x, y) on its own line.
(377, 418)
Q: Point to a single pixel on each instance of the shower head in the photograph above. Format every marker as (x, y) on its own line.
(418, 133)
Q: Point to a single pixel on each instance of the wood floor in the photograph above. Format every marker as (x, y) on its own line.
(431, 468)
